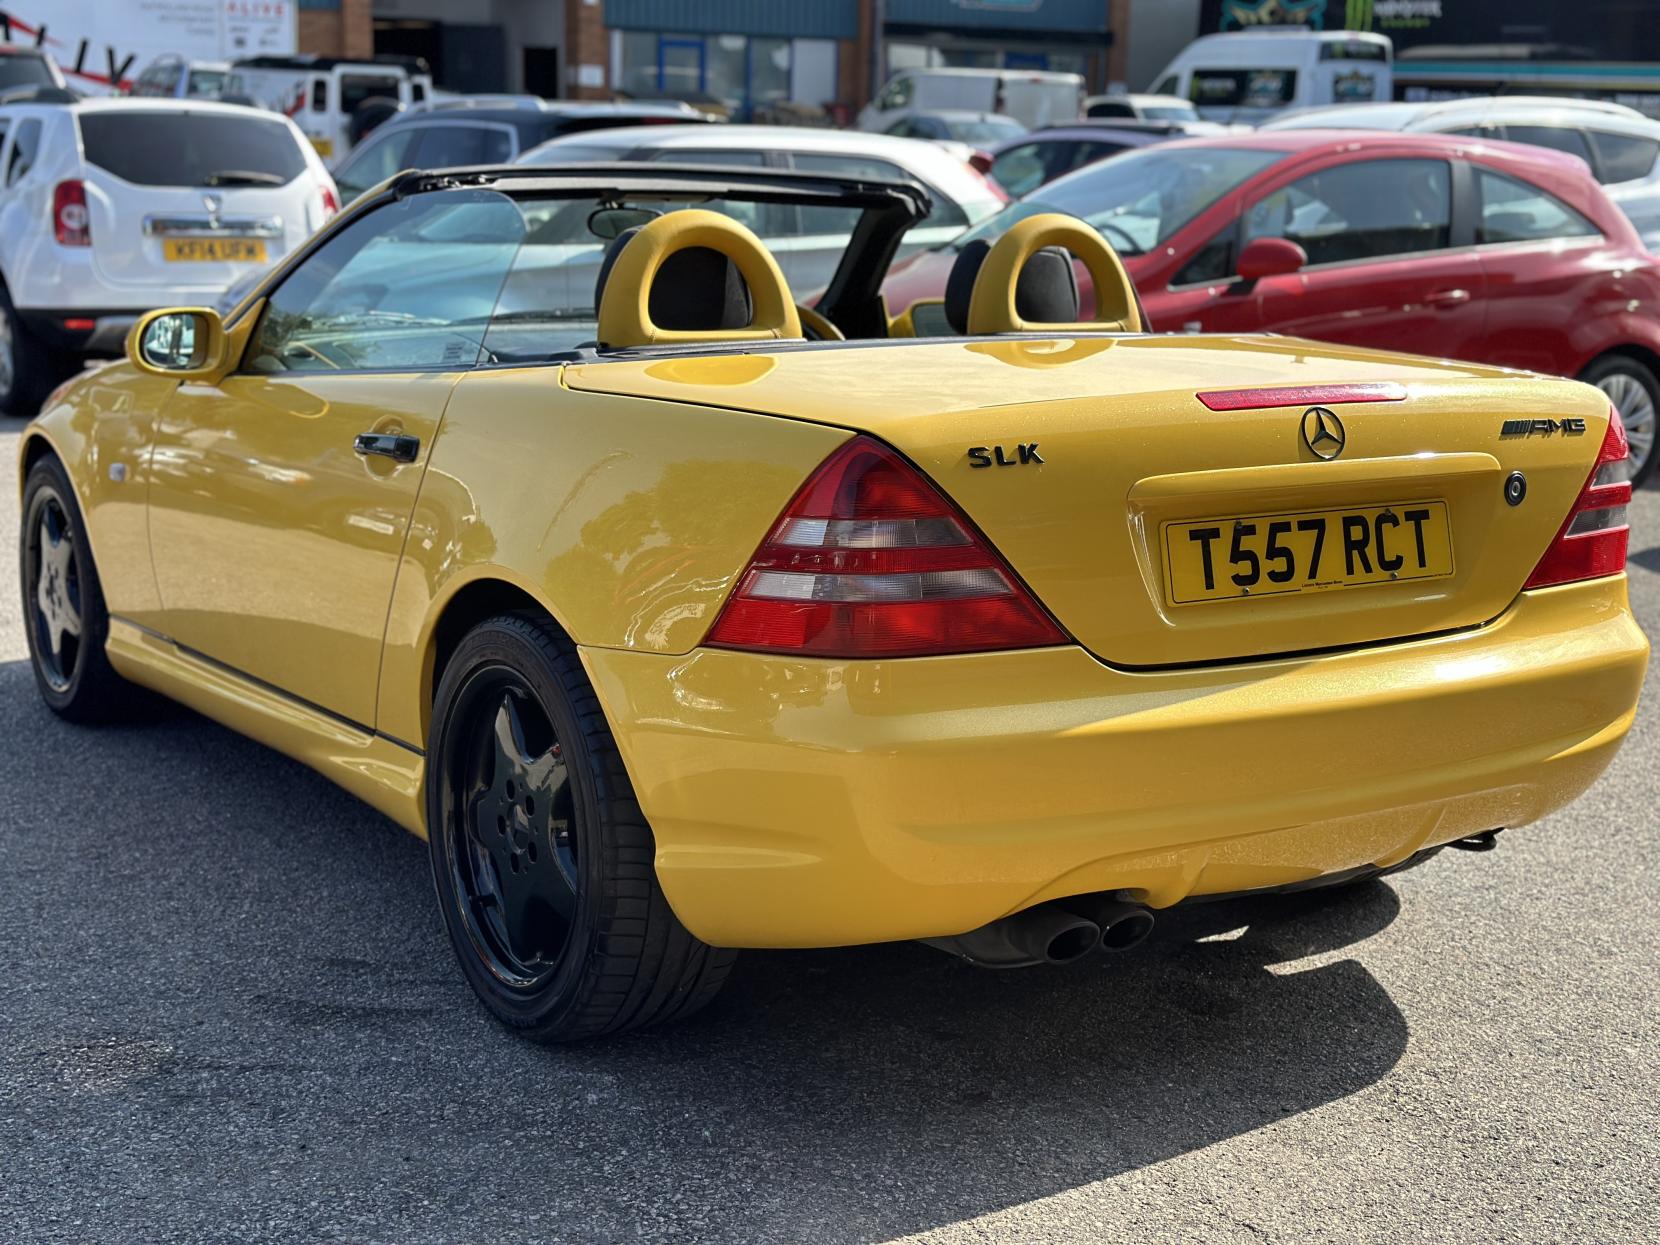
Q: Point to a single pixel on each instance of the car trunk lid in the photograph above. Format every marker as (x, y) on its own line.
(1101, 461)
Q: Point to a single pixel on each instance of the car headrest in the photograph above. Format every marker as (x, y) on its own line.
(1046, 290)
(698, 288)
(996, 305)
(691, 276)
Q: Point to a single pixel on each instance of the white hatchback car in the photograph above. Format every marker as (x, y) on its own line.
(1621, 145)
(112, 207)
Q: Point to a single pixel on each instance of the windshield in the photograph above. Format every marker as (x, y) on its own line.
(18, 71)
(154, 148)
(456, 278)
(1138, 199)
(1170, 112)
(985, 131)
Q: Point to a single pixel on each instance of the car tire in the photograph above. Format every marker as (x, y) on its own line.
(28, 367)
(542, 860)
(63, 604)
(1632, 388)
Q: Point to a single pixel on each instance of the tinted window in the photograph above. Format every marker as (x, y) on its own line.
(1242, 88)
(1513, 211)
(375, 161)
(1140, 198)
(1111, 108)
(446, 146)
(18, 70)
(24, 149)
(1624, 157)
(355, 88)
(1557, 138)
(190, 149)
(410, 285)
(1360, 211)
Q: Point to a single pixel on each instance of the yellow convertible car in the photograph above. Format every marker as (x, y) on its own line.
(529, 506)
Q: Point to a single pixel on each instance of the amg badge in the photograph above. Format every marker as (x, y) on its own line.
(994, 455)
(1541, 427)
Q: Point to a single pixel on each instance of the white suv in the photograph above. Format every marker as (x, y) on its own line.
(111, 207)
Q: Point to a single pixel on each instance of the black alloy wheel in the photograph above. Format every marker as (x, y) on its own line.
(515, 861)
(541, 858)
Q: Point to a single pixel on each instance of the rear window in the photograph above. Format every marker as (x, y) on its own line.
(16, 70)
(355, 89)
(450, 146)
(191, 149)
(1624, 157)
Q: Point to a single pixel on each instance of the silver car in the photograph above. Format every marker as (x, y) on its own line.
(1621, 145)
(807, 242)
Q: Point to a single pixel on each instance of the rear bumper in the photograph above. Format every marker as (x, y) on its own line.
(816, 803)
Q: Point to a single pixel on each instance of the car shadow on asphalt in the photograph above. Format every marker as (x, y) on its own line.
(215, 952)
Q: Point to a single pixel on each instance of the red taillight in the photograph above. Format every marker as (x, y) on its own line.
(871, 560)
(331, 203)
(71, 222)
(1592, 540)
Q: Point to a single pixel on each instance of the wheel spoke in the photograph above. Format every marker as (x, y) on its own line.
(510, 738)
(519, 869)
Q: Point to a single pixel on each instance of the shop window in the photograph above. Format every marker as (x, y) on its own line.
(637, 74)
(769, 71)
(723, 62)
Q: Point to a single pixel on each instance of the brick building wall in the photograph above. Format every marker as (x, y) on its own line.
(337, 28)
(587, 51)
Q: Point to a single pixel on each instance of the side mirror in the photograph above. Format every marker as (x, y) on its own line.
(184, 343)
(1270, 257)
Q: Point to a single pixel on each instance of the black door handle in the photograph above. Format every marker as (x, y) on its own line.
(396, 446)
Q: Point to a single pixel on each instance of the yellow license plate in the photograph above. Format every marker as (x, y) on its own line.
(1264, 555)
(213, 250)
(324, 146)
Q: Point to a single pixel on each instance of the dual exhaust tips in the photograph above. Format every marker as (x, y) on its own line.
(1052, 933)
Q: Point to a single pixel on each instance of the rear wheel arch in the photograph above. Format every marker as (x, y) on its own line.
(1628, 350)
(471, 604)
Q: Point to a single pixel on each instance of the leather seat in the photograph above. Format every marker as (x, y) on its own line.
(696, 290)
(1046, 291)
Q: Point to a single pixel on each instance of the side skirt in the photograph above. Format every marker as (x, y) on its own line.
(384, 773)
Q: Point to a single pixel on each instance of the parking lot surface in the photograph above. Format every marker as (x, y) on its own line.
(228, 1012)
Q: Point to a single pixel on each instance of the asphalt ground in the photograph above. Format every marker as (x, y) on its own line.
(228, 1012)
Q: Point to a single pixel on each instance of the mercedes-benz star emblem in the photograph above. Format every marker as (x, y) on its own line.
(1323, 433)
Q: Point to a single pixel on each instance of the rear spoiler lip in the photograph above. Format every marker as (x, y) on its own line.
(1301, 395)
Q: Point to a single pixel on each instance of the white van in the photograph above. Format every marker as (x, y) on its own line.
(1035, 98)
(1249, 76)
(323, 95)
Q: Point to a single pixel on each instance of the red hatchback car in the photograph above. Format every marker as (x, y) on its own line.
(1434, 244)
